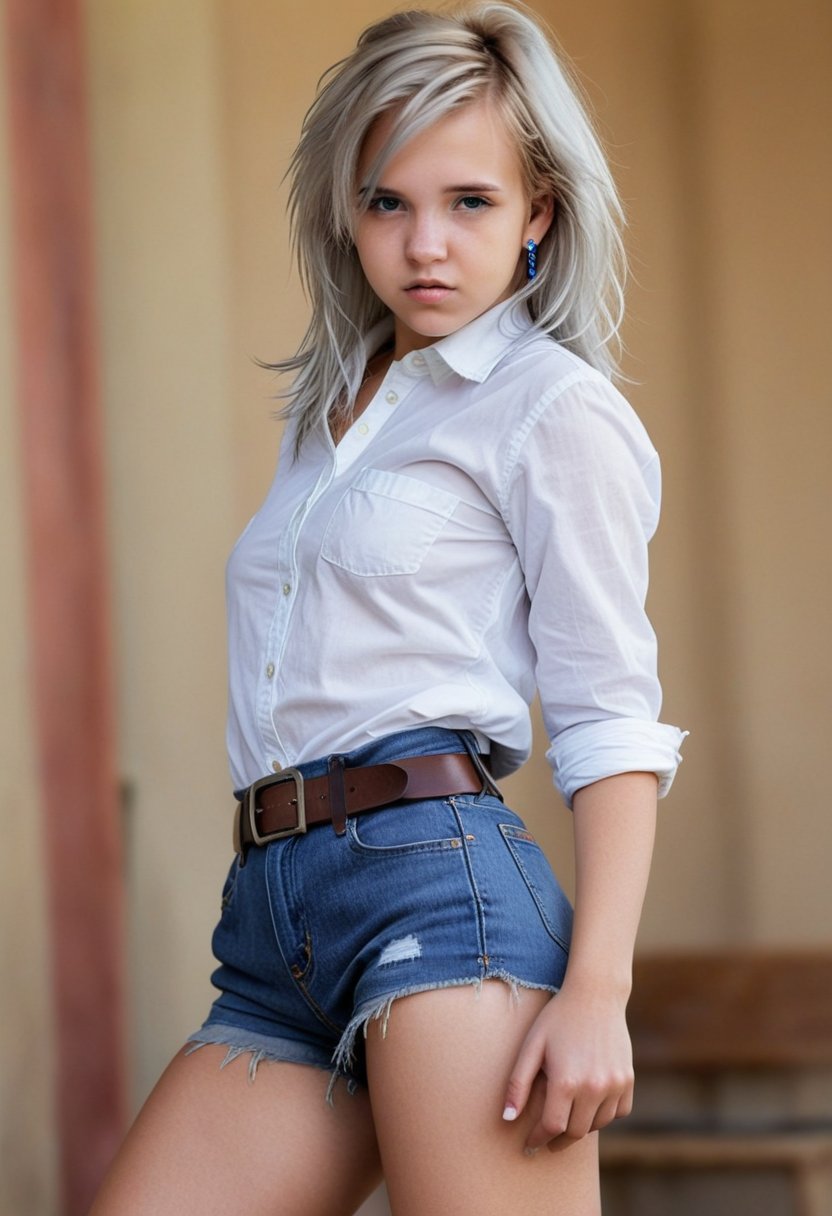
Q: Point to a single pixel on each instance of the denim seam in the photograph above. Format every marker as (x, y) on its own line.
(507, 831)
(316, 1009)
(300, 981)
(482, 957)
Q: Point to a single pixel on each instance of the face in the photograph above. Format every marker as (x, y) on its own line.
(443, 239)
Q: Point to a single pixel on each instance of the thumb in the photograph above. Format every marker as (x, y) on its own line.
(523, 1074)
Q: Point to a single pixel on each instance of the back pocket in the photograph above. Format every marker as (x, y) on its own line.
(385, 524)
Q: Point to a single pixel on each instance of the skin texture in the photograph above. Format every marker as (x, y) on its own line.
(208, 1142)
(465, 1089)
(436, 1084)
(425, 222)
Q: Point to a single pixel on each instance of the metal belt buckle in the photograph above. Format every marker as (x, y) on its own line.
(298, 828)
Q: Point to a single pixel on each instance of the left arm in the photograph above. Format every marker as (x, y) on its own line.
(579, 1041)
(581, 502)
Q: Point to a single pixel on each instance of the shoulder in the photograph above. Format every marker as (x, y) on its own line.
(574, 441)
(552, 397)
(540, 370)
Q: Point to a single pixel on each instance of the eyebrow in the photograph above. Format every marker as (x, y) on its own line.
(473, 188)
(466, 188)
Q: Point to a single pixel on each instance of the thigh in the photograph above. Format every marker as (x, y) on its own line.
(437, 1082)
(210, 1141)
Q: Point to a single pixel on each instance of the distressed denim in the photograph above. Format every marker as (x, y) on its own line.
(319, 933)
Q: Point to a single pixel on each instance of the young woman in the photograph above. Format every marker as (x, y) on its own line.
(461, 512)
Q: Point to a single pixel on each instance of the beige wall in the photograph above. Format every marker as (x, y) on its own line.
(163, 253)
(766, 100)
(716, 116)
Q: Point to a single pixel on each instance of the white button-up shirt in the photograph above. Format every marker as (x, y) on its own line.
(482, 528)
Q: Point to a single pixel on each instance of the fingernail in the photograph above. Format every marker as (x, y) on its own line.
(510, 1112)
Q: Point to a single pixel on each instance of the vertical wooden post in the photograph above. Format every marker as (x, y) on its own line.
(57, 388)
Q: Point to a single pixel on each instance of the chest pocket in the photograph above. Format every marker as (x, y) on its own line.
(386, 523)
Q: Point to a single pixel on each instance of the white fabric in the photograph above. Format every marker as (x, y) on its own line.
(481, 527)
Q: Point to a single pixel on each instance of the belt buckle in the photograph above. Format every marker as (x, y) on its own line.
(297, 829)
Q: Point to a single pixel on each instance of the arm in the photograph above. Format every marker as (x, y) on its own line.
(581, 503)
(579, 1041)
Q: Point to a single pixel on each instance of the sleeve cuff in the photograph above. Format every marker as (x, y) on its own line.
(592, 750)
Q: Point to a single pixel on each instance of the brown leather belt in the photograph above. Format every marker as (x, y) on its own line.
(287, 803)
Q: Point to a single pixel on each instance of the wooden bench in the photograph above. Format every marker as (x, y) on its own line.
(733, 1057)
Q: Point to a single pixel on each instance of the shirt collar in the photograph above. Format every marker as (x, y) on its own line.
(473, 351)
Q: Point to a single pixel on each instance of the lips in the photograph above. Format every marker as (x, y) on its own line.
(430, 291)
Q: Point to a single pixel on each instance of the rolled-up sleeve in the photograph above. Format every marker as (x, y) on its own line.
(581, 491)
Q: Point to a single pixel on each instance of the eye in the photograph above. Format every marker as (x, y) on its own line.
(385, 203)
(473, 202)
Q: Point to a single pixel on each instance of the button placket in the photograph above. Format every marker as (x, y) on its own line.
(391, 392)
(286, 574)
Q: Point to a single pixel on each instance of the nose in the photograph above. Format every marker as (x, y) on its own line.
(426, 239)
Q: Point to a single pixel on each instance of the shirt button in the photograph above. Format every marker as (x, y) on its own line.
(363, 429)
(270, 671)
(392, 397)
(287, 588)
(418, 360)
(277, 766)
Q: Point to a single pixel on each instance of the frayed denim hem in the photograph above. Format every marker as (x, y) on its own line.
(343, 1058)
(238, 1043)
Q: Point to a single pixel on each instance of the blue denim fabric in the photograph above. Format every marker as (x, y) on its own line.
(321, 932)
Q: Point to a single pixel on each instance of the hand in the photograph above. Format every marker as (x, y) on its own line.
(580, 1043)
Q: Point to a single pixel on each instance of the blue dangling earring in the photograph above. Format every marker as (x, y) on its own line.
(531, 248)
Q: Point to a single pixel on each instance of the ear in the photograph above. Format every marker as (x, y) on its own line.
(541, 215)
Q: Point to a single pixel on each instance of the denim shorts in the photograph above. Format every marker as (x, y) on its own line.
(319, 933)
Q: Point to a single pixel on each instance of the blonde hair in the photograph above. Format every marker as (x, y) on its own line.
(423, 65)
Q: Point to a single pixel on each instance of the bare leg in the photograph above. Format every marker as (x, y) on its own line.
(209, 1141)
(437, 1083)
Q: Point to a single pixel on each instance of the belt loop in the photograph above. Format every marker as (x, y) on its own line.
(488, 782)
(237, 835)
(337, 794)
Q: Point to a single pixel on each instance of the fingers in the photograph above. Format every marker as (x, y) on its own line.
(573, 1110)
(571, 1078)
(528, 1065)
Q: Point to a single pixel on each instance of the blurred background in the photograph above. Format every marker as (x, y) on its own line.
(144, 264)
